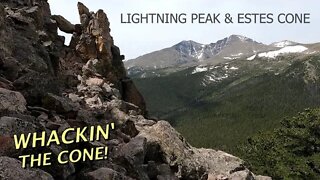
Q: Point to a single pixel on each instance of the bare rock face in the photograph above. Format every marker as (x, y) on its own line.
(30, 49)
(46, 86)
(95, 42)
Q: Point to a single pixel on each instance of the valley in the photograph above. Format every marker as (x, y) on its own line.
(219, 102)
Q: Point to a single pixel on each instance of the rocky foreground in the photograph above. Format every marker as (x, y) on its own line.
(46, 86)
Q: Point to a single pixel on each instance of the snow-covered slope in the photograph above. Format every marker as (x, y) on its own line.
(282, 51)
(199, 69)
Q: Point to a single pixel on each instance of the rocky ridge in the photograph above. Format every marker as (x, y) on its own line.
(47, 86)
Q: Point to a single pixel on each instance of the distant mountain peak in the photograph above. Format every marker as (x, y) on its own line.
(187, 43)
(235, 37)
(238, 36)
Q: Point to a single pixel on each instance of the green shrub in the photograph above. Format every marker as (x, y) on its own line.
(289, 152)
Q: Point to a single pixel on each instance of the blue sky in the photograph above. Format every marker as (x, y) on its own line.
(138, 39)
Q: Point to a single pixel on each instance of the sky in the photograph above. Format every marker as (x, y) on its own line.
(137, 39)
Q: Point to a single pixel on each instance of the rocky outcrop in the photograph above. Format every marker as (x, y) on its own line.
(46, 86)
(190, 162)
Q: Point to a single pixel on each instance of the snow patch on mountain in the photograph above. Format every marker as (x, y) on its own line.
(199, 69)
(242, 38)
(230, 58)
(251, 57)
(234, 68)
(215, 78)
(312, 52)
(285, 50)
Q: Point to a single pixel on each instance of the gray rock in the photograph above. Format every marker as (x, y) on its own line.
(58, 170)
(18, 17)
(242, 175)
(105, 173)
(165, 173)
(53, 125)
(174, 148)
(74, 98)
(262, 177)
(117, 103)
(119, 115)
(34, 86)
(129, 128)
(86, 47)
(13, 68)
(10, 126)
(133, 152)
(36, 13)
(132, 155)
(94, 102)
(94, 82)
(2, 15)
(107, 89)
(59, 104)
(63, 24)
(11, 101)
(4, 83)
(85, 116)
(192, 163)
(10, 169)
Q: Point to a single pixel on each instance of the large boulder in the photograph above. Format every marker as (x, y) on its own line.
(10, 169)
(60, 104)
(10, 126)
(133, 152)
(34, 86)
(191, 163)
(12, 101)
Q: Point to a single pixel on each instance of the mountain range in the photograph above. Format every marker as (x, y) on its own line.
(190, 53)
(228, 90)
